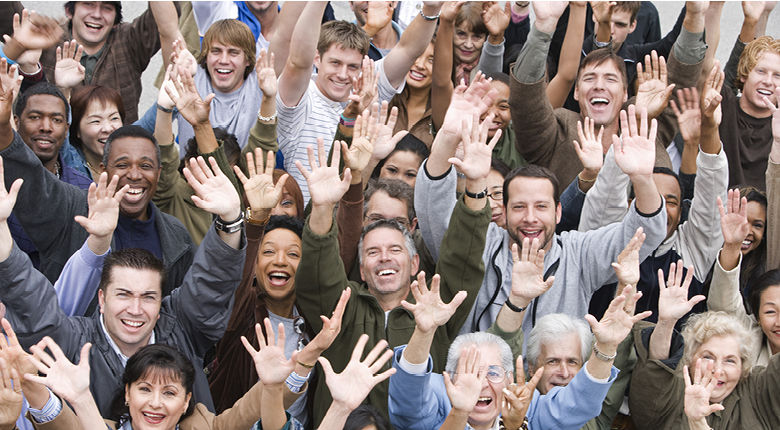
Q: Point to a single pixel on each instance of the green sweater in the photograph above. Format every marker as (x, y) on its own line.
(320, 278)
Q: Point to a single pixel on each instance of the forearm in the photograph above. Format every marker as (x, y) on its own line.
(163, 128)
(569, 58)
(280, 43)
(712, 35)
(167, 20)
(710, 137)
(232, 240)
(700, 424)
(730, 256)
(661, 340)
(476, 186)
(204, 135)
(647, 198)
(87, 411)
(268, 109)
(272, 407)
(748, 31)
(443, 148)
(321, 219)
(419, 346)
(508, 320)
(411, 45)
(6, 241)
(336, 416)
(532, 62)
(305, 35)
(441, 85)
(456, 420)
(688, 162)
(694, 21)
(598, 368)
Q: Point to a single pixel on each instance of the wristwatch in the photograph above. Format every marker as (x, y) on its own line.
(230, 227)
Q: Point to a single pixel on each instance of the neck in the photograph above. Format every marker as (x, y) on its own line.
(93, 161)
(390, 301)
(52, 165)
(282, 308)
(482, 426)
(606, 138)
(386, 38)
(752, 110)
(419, 96)
(90, 48)
(774, 349)
(267, 19)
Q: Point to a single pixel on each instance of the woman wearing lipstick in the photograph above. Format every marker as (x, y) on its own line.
(761, 309)
(745, 395)
(267, 289)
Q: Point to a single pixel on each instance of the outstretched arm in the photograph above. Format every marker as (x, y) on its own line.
(281, 41)
(569, 59)
(412, 44)
(7, 202)
(673, 304)
(325, 186)
(294, 79)
(441, 85)
(632, 150)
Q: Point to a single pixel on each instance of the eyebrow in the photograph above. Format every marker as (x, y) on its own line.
(40, 112)
(143, 293)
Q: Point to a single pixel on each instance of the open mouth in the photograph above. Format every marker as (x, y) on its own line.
(764, 92)
(595, 101)
(532, 234)
(484, 401)
(387, 272)
(93, 26)
(417, 76)
(278, 278)
(134, 195)
(746, 244)
(44, 143)
(133, 324)
(223, 72)
(153, 418)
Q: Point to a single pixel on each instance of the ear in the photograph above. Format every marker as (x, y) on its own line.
(625, 96)
(16, 121)
(576, 93)
(127, 393)
(102, 167)
(632, 28)
(101, 294)
(362, 275)
(187, 403)
(317, 60)
(415, 264)
(412, 225)
(558, 212)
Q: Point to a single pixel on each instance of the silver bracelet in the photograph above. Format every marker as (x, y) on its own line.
(266, 118)
(601, 356)
(430, 18)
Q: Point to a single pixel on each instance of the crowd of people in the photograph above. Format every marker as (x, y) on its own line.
(389, 223)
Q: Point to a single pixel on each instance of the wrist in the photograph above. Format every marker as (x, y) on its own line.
(519, 301)
(608, 349)
(430, 10)
(476, 186)
(546, 25)
(589, 174)
(496, 39)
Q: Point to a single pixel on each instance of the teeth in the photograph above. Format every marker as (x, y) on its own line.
(340, 84)
(133, 323)
(747, 242)
(416, 74)
(765, 92)
(387, 272)
(279, 275)
(135, 191)
(223, 71)
(150, 415)
(599, 100)
(93, 25)
(484, 399)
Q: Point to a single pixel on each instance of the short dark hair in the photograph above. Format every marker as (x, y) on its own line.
(395, 188)
(532, 171)
(364, 416)
(133, 258)
(286, 222)
(84, 96)
(156, 360)
(667, 171)
(130, 131)
(41, 88)
(70, 8)
(631, 7)
(770, 278)
(227, 140)
(500, 167)
(498, 77)
(600, 56)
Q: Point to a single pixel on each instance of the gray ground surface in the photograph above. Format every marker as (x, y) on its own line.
(668, 10)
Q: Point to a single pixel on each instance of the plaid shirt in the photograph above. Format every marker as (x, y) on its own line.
(125, 56)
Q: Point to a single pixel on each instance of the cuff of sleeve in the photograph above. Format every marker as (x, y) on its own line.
(91, 259)
(354, 194)
(413, 369)
(50, 410)
(712, 161)
(657, 211)
(690, 47)
(435, 178)
(612, 375)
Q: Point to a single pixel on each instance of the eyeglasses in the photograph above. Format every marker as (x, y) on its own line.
(299, 326)
(495, 374)
(377, 217)
(497, 195)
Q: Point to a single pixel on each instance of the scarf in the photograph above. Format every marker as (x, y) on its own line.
(463, 71)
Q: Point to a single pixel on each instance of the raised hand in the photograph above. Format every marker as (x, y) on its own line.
(11, 398)
(464, 390)
(261, 192)
(33, 31)
(753, 9)
(357, 156)
(430, 312)
(698, 393)
(194, 109)
(710, 96)
(331, 327)
(590, 151)
(8, 91)
(688, 114)
(476, 160)
(379, 15)
(167, 87)
(528, 273)
(496, 18)
(364, 89)
(385, 140)
(450, 10)
(7, 198)
(351, 386)
(15, 357)
(547, 14)
(517, 397)
(635, 147)
(325, 186)
(617, 321)
(652, 92)
(182, 57)
(673, 302)
(103, 201)
(465, 103)
(775, 118)
(733, 219)
(214, 191)
(627, 265)
(272, 367)
(68, 71)
(602, 11)
(266, 74)
(65, 379)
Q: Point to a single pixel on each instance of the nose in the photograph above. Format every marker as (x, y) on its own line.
(134, 308)
(419, 63)
(342, 72)
(134, 172)
(563, 371)
(45, 125)
(155, 400)
(530, 215)
(279, 260)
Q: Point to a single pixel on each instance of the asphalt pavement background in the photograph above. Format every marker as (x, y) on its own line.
(731, 22)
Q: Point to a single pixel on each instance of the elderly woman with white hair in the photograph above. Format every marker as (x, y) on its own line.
(734, 394)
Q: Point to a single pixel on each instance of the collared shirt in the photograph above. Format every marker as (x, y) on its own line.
(90, 62)
(50, 410)
(113, 344)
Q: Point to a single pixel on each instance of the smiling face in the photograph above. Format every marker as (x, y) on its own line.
(386, 266)
(467, 44)
(420, 75)
(382, 206)
(669, 188)
(134, 160)
(495, 184)
(92, 23)
(723, 351)
(491, 397)
(336, 68)
(561, 361)
(156, 401)
(98, 122)
(277, 262)
(759, 83)
(499, 108)
(756, 215)
(531, 211)
(769, 316)
(130, 306)
(402, 165)
(43, 126)
(226, 65)
(600, 92)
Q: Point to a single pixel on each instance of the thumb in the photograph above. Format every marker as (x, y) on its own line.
(83, 221)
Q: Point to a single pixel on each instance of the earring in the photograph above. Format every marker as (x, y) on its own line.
(127, 404)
